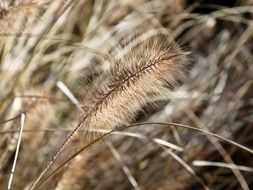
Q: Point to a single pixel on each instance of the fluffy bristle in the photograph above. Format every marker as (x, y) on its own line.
(146, 72)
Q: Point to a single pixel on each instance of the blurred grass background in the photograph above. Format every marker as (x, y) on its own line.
(44, 42)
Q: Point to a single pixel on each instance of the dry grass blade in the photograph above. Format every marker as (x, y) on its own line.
(11, 119)
(202, 163)
(22, 121)
(187, 167)
(124, 166)
(67, 92)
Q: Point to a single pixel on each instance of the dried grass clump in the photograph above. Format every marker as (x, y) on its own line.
(18, 16)
(131, 75)
(41, 110)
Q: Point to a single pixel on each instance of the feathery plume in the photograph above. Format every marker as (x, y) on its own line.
(146, 72)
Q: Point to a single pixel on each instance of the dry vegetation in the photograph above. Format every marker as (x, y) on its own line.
(84, 72)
